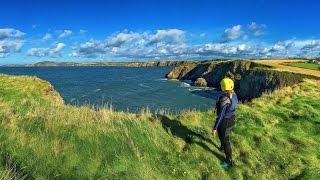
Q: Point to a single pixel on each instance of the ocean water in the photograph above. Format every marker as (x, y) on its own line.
(125, 89)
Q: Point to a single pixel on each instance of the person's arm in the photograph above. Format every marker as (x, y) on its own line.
(221, 105)
(220, 118)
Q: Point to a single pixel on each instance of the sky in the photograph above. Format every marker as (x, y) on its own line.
(123, 30)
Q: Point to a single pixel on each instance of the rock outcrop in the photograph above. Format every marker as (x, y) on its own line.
(201, 82)
(154, 63)
(251, 79)
(180, 71)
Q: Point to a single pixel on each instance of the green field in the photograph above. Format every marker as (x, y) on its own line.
(277, 136)
(305, 65)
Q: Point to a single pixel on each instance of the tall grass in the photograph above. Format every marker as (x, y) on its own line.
(276, 136)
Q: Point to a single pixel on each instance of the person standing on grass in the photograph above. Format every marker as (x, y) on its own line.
(226, 110)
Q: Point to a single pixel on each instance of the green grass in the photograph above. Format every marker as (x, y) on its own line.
(276, 136)
(305, 65)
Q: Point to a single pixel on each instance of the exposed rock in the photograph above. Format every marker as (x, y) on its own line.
(179, 72)
(251, 79)
(154, 63)
(201, 82)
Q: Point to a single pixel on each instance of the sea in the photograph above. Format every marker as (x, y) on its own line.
(122, 88)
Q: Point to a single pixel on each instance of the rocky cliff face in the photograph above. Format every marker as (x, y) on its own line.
(154, 63)
(125, 64)
(251, 79)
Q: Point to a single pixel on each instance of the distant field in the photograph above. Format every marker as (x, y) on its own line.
(280, 65)
(305, 65)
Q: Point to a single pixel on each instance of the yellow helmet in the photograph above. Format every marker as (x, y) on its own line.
(226, 84)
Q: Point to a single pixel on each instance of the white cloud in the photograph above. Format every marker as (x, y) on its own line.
(313, 45)
(256, 29)
(9, 33)
(53, 51)
(301, 48)
(233, 33)
(11, 40)
(171, 43)
(238, 32)
(65, 33)
(46, 37)
(7, 46)
(168, 35)
(121, 38)
(57, 48)
(133, 44)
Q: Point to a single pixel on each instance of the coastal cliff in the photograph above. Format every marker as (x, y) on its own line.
(251, 79)
(154, 63)
(108, 63)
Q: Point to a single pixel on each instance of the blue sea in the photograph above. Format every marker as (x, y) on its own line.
(125, 89)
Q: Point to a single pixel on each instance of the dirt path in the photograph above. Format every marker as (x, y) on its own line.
(279, 66)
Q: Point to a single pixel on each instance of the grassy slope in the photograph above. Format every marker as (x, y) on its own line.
(281, 65)
(312, 66)
(276, 136)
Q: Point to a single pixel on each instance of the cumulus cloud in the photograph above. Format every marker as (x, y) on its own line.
(313, 45)
(233, 33)
(9, 33)
(134, 45)
(228, 50)
(171, 44)
(239, 32)
(8, 46)
(11, 40)
(282, 46)
(168, 35)
(121, 38)
(235, 42)
(65, 33)
(300, 48)
(46, 37)
(256, 29)
(53, 51)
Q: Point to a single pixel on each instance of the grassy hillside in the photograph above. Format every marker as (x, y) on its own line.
(280, 65)
(305, 65)
(277, 136)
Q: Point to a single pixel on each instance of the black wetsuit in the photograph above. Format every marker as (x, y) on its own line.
(226, 109)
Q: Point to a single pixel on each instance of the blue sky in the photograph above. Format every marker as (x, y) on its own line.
(83, 30)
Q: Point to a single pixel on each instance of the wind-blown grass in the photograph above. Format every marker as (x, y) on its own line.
(276, 136)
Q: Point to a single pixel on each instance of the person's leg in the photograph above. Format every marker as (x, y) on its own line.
(221, 137)
(227, 145)
(226, 128)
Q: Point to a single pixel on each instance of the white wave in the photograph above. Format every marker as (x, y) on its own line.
(96, 90)
(162, 79)
(184, 84)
